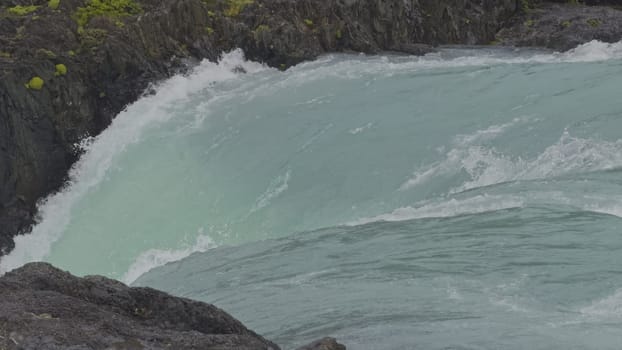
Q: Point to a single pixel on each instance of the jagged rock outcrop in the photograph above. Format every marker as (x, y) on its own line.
(564, 26)
(110, 60)
(42, 307)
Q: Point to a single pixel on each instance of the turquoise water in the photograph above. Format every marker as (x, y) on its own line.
(468, 199)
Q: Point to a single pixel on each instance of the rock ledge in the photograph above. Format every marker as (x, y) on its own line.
(42, 307)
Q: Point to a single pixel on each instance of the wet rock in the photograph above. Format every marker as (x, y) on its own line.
(563, 26)
(324, 344)
(42, 307)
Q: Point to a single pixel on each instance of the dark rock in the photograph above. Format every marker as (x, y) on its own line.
(111, 61)
(324, 344)
(42, 307)
(563, 26)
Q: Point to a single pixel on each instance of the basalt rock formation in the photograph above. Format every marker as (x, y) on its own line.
(42, 307)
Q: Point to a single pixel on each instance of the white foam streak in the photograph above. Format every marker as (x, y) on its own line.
(102, 151)
(452, 207)
(335, 66)
(485, 166)
(569, 155)
(608, 307)
(276, 187)
(153, 258)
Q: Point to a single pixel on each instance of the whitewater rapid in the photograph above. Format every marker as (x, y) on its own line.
(233, 148)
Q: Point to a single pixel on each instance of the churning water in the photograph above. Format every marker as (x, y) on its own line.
(468, 199)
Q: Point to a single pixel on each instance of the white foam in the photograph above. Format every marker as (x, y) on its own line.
(486, 166)
(153, 258)
(447, 208)
(463, 156)
(102, 151)
(336, 66)
(610, 306)
(276, 187)
(610, 206)
(360, 129)
(569, 155)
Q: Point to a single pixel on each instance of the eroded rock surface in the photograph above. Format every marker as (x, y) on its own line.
(42, 307)
(563, 26)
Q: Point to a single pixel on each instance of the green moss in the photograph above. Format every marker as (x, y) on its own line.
(61, 69)
(308, 22)
(71, 53)
(565, 24)
(529, 23)
(36, 83)
(593, 22)
(115, 9)
(5, 54)
(211, 13)
(22, 10)
(209, 30)
(236, 6)
(53, 4)
(338, 34)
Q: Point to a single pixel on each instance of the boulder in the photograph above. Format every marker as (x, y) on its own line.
(42, 307)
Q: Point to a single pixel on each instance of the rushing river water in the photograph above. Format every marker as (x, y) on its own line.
(468, 199)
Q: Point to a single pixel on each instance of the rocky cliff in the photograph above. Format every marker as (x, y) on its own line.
(42, 307)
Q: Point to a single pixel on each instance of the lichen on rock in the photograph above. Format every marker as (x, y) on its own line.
(61, 69)
(53, 4)
(115, 9)
(36, 83)
(22, 10)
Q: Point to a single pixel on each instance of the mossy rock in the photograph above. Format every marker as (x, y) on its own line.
(92, 37)
(36, 83)
(236, 6)
(22, 10)
(593, 22)
(114, 9)
(45, 53)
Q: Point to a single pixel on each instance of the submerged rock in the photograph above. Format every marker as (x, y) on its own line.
(42, 307)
